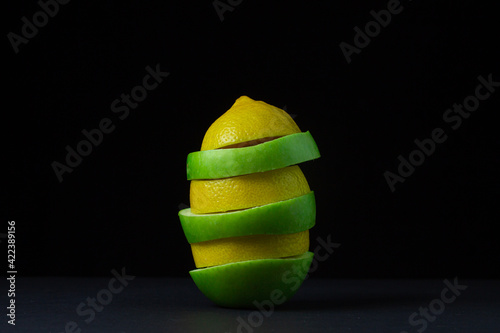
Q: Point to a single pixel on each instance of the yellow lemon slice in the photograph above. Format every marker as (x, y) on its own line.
(234, 249)
(256, 189)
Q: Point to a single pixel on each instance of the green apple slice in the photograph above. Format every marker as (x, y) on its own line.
(277, 218)
(270, 155)
(253, 283)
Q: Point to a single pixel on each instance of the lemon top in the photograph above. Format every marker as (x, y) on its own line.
(248, 120)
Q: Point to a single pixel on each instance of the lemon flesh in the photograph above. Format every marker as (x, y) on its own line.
(278, 153)
(246, 284)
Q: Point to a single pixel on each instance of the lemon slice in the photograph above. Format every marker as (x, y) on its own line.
(234, 249)
(240, 192)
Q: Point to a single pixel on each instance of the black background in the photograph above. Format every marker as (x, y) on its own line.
(119, 207)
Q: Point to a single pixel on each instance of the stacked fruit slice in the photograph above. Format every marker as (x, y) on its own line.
(251, 206)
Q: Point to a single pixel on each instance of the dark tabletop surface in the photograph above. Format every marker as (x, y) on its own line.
(50, 304)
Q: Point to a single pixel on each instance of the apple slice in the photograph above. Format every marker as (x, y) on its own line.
(253, 283)
(282, 217)
(270, 155)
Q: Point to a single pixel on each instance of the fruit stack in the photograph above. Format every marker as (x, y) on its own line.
(251, 206)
